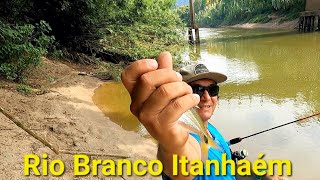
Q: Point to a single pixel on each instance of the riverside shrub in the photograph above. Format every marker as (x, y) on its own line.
(21, 47)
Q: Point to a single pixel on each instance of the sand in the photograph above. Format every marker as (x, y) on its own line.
(64, 115)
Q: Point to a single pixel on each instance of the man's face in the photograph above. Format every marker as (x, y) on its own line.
(207, 104)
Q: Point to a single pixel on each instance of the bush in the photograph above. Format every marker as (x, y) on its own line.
(86, 30)
(21, 47)
(149, 28)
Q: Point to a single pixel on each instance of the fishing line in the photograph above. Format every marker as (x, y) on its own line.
(239, 139)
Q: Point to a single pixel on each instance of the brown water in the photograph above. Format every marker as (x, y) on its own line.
(273, 78)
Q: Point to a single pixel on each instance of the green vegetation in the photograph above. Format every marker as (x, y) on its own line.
(112, 70)
(51, 79)
(24, 89)
(21, 47)
(148, 28)
(85, 31)
(215, 13)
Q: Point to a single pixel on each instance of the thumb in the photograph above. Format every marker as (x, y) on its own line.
(165, 60)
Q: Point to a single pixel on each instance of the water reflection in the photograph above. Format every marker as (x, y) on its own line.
(114, 100)
(239, 72)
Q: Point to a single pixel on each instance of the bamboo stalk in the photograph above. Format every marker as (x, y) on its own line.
(49, 145)
(19, 124)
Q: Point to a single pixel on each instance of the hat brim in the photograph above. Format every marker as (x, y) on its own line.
(217, 77)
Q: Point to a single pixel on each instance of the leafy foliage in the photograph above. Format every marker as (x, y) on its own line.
(22, 47)
(86, 31)
(226, 12)
(184, 14)
(126, 26)
(157, 28)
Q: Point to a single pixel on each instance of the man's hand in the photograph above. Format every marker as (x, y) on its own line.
(158, 98)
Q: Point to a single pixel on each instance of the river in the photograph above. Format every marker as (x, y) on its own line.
(273, 78)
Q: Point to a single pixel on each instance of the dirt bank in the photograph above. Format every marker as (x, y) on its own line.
(274, 24)
(65, 115)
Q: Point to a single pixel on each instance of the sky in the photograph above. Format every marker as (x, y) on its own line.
(182, 2)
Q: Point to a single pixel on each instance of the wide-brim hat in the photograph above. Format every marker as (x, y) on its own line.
(200, 71)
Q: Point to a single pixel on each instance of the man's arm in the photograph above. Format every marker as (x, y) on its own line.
(191, 150)
(158, 98)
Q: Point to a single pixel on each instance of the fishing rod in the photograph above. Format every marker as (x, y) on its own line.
(239, 139)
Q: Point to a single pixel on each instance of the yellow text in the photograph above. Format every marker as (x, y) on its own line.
(33, 163)
(244, 167)
(83, 166)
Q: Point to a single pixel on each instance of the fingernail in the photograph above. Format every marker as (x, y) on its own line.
(179, 75)
(152, 63)
(196, 96)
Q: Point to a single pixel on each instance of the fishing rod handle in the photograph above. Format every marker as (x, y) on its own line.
(235, 140)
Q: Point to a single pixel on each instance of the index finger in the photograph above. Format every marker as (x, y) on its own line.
(133, 72)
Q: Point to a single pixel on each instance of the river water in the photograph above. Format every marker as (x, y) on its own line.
(273, 78)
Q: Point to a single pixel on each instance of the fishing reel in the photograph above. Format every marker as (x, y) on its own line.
(238, 155)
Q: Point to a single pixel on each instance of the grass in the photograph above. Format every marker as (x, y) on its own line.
(24, 89)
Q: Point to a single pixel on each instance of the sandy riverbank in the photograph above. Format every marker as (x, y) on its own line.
(274, 24)
(65, 116)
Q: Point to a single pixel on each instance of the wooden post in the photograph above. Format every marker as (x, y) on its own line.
(192, 13)
(197, 35)
(309, 24)
(190, 34)
(300, 23)
(313, 19)
(193, 24)
(318, 22)
(305, 24)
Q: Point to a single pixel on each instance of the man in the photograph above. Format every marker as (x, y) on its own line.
(160, 96)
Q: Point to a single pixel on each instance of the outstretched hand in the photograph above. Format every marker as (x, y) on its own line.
(158, 98)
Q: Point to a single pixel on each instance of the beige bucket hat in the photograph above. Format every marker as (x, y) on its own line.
(200, 71)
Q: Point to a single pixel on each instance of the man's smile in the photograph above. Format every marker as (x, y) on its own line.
(205, 106)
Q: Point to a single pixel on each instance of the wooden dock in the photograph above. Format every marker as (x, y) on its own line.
(309, 21)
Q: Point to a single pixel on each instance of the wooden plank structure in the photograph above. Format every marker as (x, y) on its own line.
(307, 21)
(193, 25)
(310, 19)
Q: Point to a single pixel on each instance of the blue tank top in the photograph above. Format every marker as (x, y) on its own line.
(214, 154)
